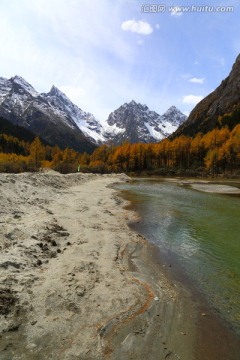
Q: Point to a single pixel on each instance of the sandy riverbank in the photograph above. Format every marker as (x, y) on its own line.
(77, 283)
(69, 289)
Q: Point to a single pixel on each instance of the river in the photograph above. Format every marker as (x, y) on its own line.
(198, 234)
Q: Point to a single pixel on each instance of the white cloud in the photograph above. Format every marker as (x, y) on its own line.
(197, 80)
(192, 79)
(176, 11)
(80, 47)
(192, 99)
(139, 27)
(61, 45)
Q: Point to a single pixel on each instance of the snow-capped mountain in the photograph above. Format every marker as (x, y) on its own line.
(173, 117)
(57, 120)
(85, 121)
(134, 122)
(51, 115)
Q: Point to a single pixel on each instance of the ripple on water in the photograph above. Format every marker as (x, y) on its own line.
(202, 231)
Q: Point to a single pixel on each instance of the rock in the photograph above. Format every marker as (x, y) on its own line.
(14, 327)
(81, 292)
(45, 247)
(6, 264)
(223, 100)
(39, 262)
(7, 301)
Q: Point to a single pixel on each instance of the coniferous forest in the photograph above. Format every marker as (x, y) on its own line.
(214, 153)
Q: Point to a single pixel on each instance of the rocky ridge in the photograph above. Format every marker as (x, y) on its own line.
(223, 100)
(134, 122)
(57, 120)
(49, 115)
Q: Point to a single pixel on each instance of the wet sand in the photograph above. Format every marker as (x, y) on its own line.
(78, 284)
(213, 337)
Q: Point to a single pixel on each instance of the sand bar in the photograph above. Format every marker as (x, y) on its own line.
(216, 188)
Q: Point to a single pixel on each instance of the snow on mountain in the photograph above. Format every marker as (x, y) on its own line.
(18, 81)
(134, 122)
(5, 88)
(85, 121)
(16, 95)
(51, 115)
(22, 104)
(174, 115)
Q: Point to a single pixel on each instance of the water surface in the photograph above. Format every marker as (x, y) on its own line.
(201, 231)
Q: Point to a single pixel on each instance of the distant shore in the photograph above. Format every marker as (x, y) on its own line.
(217, 186)
(212, 185)
(78, 283)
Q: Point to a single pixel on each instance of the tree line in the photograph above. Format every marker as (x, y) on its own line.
(17, 156)
(217, 152)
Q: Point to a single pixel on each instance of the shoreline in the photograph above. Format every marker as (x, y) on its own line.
(208, 325)
(78, 283)
(222, 186)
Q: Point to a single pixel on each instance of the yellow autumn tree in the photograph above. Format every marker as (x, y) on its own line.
(37, 152)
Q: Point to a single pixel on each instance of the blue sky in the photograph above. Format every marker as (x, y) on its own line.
(103, 53)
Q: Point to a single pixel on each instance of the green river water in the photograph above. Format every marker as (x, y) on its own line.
(201, 231)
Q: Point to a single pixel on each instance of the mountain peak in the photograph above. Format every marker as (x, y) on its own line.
(132, 121)
(136, 123)
(133, 102)
(174, 116)
(54, 91)
(19, 81)
(133, 105)
(22, 105)
(172, 108)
